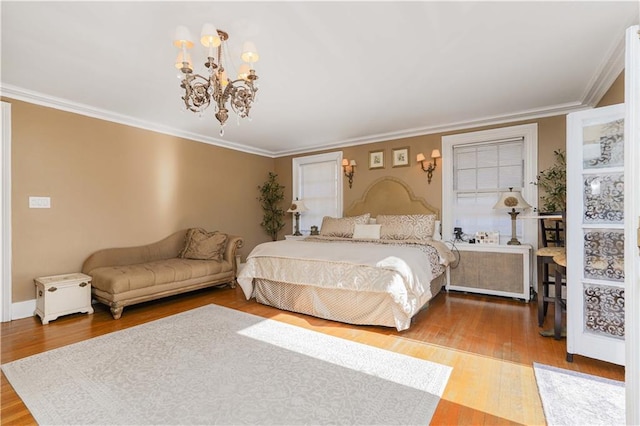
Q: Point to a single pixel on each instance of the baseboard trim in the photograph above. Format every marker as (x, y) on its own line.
(24, 309)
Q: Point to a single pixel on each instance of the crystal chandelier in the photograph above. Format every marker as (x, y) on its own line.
(201, 91)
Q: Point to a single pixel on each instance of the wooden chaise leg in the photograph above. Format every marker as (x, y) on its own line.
(116, 311)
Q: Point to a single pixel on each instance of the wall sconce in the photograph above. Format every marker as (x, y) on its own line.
(349, 169)
(435, 154)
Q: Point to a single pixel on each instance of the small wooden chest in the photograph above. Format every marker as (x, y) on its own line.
(65, 294)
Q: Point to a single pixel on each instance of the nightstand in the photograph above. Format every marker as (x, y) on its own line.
(64, 294)
(295, 237)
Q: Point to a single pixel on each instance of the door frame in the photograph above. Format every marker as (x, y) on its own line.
(632, 224)
(5, 215)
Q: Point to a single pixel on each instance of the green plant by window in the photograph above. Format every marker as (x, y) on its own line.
(553, 182)
(271, 195)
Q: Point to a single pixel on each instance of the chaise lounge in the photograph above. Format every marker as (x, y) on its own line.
(184, 261)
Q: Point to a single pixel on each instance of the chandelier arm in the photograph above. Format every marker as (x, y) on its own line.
(197, 96)
(242, 95)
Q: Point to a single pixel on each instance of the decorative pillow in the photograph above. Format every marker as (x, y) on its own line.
(437, 235)
(343, 226)
(367, 231)
(203, 245)
(407, 227)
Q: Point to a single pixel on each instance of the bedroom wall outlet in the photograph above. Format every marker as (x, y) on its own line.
(39, 202)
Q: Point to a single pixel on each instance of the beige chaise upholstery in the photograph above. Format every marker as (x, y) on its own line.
(129, 275)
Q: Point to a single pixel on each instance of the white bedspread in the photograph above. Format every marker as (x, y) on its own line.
(402, 272)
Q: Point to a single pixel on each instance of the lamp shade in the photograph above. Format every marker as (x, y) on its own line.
(345, 162)
(182, 35)
(209, 36)
(435, 153)
(420, 158)
(249, 52)
(511, 200)
(297, 206)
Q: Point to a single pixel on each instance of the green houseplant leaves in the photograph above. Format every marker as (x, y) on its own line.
(553, 181)
(271, 195)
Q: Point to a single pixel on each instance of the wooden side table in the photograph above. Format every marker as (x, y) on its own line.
(64, 294)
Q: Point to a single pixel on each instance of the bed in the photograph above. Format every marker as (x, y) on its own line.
(378, 265)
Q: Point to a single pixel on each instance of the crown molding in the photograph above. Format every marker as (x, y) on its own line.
(531, 114)
(611, 67)
(25, 95)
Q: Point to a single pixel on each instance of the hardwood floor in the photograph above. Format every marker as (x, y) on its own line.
(490, 342)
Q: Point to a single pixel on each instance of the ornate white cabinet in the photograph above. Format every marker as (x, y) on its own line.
(595, 234)
(65, 294)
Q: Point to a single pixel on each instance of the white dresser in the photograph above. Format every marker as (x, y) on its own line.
(64, 294)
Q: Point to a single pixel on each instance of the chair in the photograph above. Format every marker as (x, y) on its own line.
(552, 239)
(560, 303)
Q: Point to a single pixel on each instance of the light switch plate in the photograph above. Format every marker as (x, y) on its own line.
(39, 202)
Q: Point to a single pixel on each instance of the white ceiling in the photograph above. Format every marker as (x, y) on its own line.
(331, 73)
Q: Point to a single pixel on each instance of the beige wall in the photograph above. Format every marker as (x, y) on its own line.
(551, 136)
(615, 94)
(114, 185)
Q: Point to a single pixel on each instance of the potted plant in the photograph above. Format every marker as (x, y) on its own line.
(271, 195)
(553, 182)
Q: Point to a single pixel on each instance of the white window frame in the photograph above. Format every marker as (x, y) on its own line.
(298, 190)
(529, 134)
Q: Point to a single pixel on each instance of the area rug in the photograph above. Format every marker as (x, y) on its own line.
(572, 398)
(215, 365)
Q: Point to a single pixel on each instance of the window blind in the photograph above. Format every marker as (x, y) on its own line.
(481, 171)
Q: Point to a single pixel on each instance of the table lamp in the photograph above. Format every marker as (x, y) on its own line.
(512, 200)
(296, 208)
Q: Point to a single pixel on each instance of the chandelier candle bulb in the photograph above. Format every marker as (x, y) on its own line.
(181, 59)
(244, 70)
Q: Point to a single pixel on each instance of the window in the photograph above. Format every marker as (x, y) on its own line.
(477, 167)
(317, 180)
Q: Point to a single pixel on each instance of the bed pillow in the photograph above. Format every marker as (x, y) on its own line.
(342, 227)
(203, 245)
(407, 227)
(368, 231)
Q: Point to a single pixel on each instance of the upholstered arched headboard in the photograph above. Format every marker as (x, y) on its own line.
(389, 195)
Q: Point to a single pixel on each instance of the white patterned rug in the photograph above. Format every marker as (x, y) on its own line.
(572, 398)
(214, 365)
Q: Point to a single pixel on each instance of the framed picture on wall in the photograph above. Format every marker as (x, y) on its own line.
(376, 160)
(400, 157)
